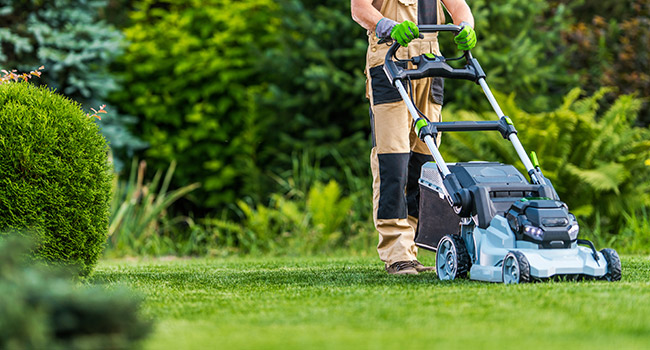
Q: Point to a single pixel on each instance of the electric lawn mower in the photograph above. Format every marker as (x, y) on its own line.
(486, 219)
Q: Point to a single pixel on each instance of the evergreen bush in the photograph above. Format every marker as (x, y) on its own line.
(55, 178)
(40, 308)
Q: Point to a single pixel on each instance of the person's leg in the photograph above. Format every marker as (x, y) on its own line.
(389, 162)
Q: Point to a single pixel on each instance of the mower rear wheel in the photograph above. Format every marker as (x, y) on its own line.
(452, 259)
(516, 268)
(614, 272)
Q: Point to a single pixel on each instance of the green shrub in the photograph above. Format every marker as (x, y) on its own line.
(610, 47)
(190, 75)
(320, 221)
(41, 309)
(316, 88)
(231, 89)
(55, 178)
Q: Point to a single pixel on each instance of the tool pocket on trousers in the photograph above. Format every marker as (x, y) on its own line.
(438, 90)
(382, 90)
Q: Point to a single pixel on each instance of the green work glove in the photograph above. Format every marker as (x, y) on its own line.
(404, 32)
(466, 38)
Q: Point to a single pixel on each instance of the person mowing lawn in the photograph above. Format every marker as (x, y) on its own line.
(397, 154)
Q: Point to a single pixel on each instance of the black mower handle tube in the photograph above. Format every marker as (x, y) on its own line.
(466, 126)
(432, 28)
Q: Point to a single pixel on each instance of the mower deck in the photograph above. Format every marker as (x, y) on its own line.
(497, 240)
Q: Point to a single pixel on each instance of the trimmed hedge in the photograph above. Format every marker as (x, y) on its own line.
(55, 178)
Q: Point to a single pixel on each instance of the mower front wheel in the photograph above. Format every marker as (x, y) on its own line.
(614, 272)
(516, 268)
(452, 259)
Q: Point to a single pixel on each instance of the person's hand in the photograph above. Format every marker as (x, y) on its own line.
(466, 38)
(404, 32)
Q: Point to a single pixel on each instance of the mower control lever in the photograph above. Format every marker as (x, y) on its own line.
(389, 39)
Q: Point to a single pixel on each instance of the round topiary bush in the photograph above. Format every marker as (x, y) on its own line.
(55, 177)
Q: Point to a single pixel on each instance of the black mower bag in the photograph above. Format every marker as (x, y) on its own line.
(436, 216)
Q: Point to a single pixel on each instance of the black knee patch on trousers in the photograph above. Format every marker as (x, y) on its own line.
(392, 183)
(416, 161)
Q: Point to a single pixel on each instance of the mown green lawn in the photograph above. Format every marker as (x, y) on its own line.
(349, 302)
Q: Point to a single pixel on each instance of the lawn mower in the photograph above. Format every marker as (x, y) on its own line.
(486, 220)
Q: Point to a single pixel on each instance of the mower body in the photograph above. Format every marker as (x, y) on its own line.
(508, 214)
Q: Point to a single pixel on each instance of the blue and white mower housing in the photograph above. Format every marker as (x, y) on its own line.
(512, 234)
(490, 246)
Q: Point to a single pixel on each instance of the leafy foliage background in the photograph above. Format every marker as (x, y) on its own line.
(233, 98)
(611, 41)
(594, 156)
(262, 101)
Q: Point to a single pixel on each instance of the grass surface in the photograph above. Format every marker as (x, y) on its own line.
(291, 303)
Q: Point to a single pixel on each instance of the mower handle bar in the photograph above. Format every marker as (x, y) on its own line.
(432, 28)
(427, 67)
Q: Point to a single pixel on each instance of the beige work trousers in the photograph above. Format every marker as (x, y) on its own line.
(397, 154)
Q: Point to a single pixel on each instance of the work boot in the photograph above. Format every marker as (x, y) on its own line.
(421, 268)
(401, 268)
